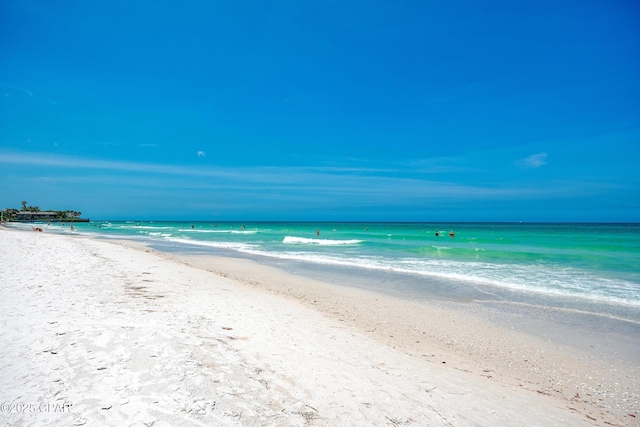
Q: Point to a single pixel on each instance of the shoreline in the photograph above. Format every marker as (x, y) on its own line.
(396, 282)
(412, 285)
(454, 346)
(466, 332)
(618, 327)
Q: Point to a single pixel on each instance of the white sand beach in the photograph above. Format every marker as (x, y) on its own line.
(107, 333)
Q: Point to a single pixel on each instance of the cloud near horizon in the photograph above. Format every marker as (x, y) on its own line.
(115, 188)
(367, 183)
(533, 161)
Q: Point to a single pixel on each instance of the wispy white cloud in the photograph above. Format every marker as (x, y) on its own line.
(10, 89)
(201, 154)
(17, 89)
(325, 182)
(533, 161)
(40, 159)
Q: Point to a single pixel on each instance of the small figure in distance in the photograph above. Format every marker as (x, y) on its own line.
(317, 232)
(437, 233)
(452, 234)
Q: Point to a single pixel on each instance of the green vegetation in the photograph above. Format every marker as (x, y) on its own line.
(67, 214)
(26, 208)
(8, 214)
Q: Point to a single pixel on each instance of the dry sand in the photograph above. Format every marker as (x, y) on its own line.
(97, 333)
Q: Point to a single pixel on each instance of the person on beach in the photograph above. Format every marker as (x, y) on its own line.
(317, 232)
(437, 233)
(452, 234)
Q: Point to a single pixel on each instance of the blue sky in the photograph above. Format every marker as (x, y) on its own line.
(322, 110)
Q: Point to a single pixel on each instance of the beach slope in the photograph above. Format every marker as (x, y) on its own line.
(96, 333)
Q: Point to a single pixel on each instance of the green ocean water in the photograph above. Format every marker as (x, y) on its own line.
(595, 263)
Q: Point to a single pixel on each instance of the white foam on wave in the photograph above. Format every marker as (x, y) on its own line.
(195, 230)
(291, 240)
(530, 279)
(135, 227)
(241, 247)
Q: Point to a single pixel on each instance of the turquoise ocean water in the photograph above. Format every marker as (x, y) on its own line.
(575, 265)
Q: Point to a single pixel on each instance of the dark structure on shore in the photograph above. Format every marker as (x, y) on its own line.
(51, 216)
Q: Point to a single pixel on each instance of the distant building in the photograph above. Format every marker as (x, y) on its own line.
(36, 216)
